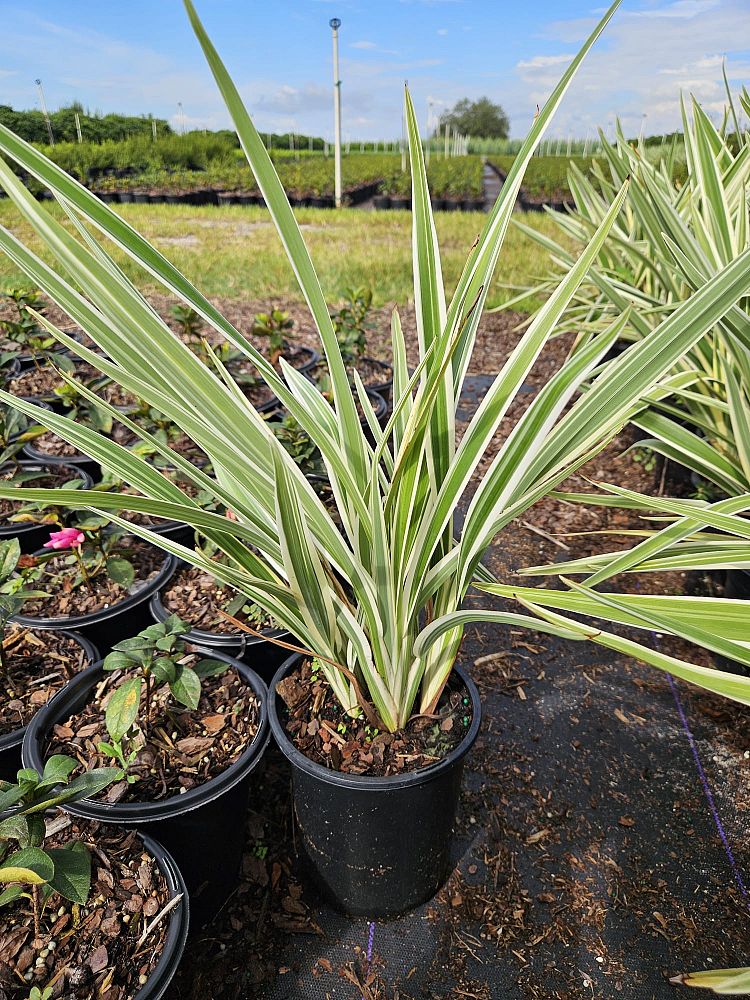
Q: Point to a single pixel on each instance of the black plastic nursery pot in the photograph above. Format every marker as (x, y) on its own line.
(377, 847)
(32, 536)
(737, 584)
(177, 928)
(260, 654)
(204, 829)
(108, 626)
(10, 743)
(383, 386)
(78, 461)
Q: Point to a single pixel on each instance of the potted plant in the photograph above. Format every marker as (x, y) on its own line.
(33, 665)
(275, 328)
(186, 731)
(28, 522)
(375, 598)
(93, 577)
(351, 325)
(70, 923)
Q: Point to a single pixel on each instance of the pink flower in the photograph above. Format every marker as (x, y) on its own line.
(68, 538)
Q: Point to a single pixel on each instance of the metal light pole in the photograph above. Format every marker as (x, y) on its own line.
(335, 24)
(45, 112)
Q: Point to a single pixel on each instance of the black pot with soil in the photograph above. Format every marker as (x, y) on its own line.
(377, 846)
(258, 652)
(381, 377)
(33, 536)
(202, 826)
(37, 666)
(37, 453)
(120, 619)
(125, 941)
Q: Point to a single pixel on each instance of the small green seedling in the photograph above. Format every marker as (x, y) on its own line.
(16, 431)
(189, 322)
(27, 870)
(350, 323)
(277, 326)
(37, 994)
(24, 325)
(157, 654)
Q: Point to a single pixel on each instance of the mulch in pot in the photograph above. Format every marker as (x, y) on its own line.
(49, 479)
(37, 666)
(147, 560)
(44, 379)
(198, 598)
(320, 729)
(180, 749)
(96, 943)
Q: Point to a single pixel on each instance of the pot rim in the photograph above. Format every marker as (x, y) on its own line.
(135, 813)
(34, 455)
(15, 737)
(363, 782)
(18, 530)
(178, 927)
(200, 637)
(104, 614)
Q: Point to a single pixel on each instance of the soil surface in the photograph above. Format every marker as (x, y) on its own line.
(198, 598)
(97, 944)
(47, 479)
(179, 749)
(43, 381)
(320, 729)
(67, 600)
(37, 666)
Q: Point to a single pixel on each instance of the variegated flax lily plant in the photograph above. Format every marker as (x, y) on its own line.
(377, 597)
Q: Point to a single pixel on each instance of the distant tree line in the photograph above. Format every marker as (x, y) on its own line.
(95, 127)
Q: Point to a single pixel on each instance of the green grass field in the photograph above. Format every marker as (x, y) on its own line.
(234, 252)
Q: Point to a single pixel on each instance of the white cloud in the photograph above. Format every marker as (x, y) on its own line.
(363, 45)
(639, 67)
(442, 31)
(680, 8)
(541, 62)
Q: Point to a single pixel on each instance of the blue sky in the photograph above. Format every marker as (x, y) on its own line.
(140, 56)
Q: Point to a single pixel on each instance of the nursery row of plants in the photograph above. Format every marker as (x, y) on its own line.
(88, 161)
(455, 182)
(215, 536)
(309, 179)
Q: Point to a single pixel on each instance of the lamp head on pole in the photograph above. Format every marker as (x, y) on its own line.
(335, 23)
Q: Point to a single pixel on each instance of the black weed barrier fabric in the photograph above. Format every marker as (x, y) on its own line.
(588, 861)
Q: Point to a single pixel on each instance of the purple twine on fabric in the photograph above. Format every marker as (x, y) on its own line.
(370, 940)
(704, 782)
(709, 794)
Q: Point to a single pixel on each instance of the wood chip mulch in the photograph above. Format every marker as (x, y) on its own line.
(180, 749)
(198, 598)
(37, 666)
(69, 601)
(92, 950)
(319, 727)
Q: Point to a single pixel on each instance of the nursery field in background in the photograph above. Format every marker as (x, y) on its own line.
(234, 252)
